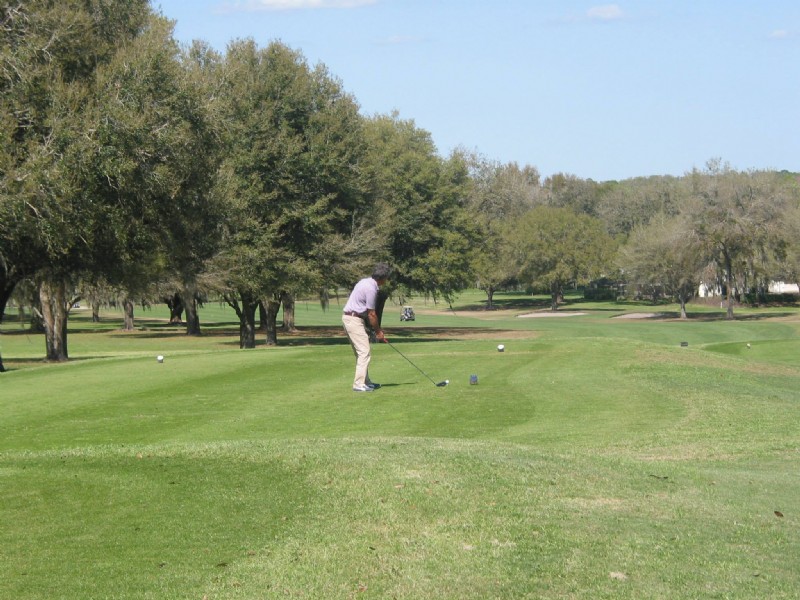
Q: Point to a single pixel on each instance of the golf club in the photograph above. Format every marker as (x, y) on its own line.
(440, 384)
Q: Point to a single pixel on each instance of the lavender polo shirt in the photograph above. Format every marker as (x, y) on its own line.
(363, 296)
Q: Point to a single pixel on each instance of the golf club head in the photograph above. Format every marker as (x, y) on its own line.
(442, 383)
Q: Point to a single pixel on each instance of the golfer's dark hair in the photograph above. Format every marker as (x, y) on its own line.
(381, 271)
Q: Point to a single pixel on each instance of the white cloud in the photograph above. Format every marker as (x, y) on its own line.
(779, 34)
(396, 40)
(606, 12)
(285, 5)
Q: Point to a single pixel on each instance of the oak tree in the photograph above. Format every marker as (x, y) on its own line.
(556, 246)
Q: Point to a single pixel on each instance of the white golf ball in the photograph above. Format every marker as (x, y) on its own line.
(447, 381)
(500, 348)
(160, 358)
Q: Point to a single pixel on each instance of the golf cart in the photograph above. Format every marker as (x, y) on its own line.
(407, 314)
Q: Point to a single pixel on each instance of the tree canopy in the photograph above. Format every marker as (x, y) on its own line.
(291, 139)
(418, 205)
(556, 246)
(665, 255)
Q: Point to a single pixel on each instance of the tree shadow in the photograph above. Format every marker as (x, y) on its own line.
(506, 304)
(721, 316)
(10, 361)
(534, 304)
(19, 332)
(322, 335)
(388, 385)
(149, 334)
(675, 316)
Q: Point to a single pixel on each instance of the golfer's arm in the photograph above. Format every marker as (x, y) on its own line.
(372, 317)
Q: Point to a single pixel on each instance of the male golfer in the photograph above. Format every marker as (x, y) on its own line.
(360, 310)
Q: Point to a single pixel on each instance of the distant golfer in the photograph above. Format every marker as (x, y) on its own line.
(358, 312)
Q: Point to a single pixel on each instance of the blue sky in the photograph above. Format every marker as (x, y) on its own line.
(594, 89)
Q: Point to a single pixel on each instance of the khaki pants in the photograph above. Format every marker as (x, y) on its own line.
(359, 340)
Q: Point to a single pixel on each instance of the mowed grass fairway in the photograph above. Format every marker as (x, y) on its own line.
(596, 458)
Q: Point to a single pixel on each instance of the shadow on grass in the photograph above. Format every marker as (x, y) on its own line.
(10, 361)
(537, 304)
(99, 328)
(761, 316)
(334, 336)
(506, 304)
(16, 332)
(388, 385)
(323, 335)
(704, 317)
(8, 364)
(149, 334)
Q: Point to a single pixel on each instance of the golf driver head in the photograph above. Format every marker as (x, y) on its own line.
(443, 383)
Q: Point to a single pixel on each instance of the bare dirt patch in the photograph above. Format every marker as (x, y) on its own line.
(314, 334)
(550, 313)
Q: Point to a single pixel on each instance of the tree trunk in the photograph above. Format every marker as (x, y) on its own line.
(6, 289)
(262, 317)
(192, 318)
(247, 319)
(380, 304)
(682, 301)
(175, 304)
(490, 298)
(247, 325)
(53, 298)
(273, 306)
(287, 300)
(95, 312)
(729, 283)
(127, 307)
(555, 292)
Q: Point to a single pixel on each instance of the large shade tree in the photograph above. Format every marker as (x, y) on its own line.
(556, 246)
(289, 177)
(420, 207)
(789, 258)
(103, 131)
(194, 215)
(50, 53)
(738, 217)
(500, 194)
(665, 254)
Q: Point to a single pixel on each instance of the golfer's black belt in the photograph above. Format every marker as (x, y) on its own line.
(350, 313)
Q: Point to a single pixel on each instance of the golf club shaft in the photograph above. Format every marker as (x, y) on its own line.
(412, 364)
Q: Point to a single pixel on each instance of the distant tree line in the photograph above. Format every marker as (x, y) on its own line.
(135, 170)
(735, 232)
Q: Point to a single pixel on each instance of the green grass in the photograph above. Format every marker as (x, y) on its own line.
(596, 458)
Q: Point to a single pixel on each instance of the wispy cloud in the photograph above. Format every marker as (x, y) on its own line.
(397, 40)
(287, 5)
(606, 12)
(780, 34)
